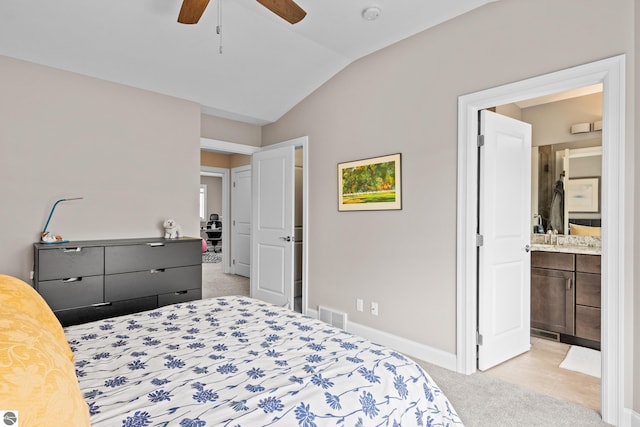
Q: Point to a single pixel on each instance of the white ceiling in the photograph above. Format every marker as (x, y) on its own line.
(267, 65)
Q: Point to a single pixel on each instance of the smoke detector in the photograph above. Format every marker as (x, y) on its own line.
(371, 13)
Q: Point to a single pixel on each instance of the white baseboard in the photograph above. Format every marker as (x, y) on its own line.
(631, 418)
(402, 345)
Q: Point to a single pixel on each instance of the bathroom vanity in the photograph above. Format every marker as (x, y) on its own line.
(565, 293)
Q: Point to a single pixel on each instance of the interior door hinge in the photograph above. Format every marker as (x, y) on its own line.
(479, 240)
(480, 140)
(478, 338)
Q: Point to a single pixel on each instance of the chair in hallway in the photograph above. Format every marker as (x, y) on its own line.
(214, 232)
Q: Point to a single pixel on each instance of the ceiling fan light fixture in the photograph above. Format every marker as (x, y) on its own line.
(371, 13)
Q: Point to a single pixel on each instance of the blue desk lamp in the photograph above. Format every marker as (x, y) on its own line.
(44, 230)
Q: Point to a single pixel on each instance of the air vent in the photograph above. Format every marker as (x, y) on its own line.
(333, 317)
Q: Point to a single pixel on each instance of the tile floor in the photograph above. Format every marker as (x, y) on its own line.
(539, 369)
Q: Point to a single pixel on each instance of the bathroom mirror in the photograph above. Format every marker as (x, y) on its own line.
(566, 136)
(570, 171)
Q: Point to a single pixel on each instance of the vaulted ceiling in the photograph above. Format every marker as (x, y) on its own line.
(266, 66)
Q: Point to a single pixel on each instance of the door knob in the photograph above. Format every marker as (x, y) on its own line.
(286, 239)
(527, 248)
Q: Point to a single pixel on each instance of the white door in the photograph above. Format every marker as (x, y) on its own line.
(241, 221)
(504, 224)
(272, 226)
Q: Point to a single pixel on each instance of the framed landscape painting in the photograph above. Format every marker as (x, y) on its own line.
(370, 184)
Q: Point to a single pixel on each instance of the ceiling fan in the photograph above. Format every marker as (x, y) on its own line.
(192, 10)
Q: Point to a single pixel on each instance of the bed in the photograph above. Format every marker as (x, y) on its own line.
(236, 361)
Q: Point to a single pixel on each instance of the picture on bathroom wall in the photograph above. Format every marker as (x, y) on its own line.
(583, 195)
(370, 184)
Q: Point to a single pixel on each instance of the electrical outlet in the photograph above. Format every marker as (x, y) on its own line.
(374, 308)
(359, 304)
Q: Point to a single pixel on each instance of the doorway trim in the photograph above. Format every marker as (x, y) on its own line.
(611, 73)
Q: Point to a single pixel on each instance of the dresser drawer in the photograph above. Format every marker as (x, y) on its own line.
(588, 289)
(92, 313)
(152, 282)
(553, 260)
(155, 255)
(181, 296)
(70, 293)
(63, 263)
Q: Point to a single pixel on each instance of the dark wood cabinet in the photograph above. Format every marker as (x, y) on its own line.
(552, 300)
(84, 281)
(552, 292)
(588, 297)
(565, 296)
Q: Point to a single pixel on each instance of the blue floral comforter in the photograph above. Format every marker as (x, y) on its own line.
(236, 361)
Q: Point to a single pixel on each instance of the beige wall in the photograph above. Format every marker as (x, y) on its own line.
(227, 161)
(404, 99)
(230, 130)
(66, 135)
(214, 194)
(217, 160)
(552, 122)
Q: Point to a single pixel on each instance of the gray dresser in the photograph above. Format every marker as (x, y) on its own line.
(90, 280)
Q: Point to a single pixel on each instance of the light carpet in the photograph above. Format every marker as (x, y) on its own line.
(582, 359)
(484, 401)
(215, 283)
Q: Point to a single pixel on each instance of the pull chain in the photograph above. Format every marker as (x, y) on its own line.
(219, 26)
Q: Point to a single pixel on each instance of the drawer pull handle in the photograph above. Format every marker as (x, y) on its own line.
(72, 279)
(155, 245)
(181, 292)
(159, 270)
(67, 251)
(101, 304)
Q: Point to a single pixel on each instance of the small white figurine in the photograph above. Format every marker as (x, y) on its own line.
(171, 229)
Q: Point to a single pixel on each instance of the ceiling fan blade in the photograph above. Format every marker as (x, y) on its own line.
(191, 11)
(285, 9)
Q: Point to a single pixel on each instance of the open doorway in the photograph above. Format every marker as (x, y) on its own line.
(301, 214)
(610, 72)
(564, 359)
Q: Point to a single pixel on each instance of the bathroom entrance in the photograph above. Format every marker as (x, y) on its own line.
(610, 72)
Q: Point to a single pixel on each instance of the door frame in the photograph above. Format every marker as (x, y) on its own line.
(611, 73)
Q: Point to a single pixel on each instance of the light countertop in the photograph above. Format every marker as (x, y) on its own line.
(572, 249)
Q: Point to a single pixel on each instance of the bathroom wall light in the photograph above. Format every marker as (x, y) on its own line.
(581, 128)
(371, 13)
(586, 127)
(597, 125)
